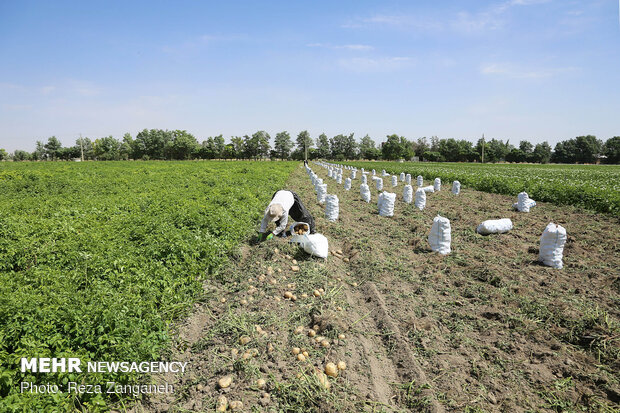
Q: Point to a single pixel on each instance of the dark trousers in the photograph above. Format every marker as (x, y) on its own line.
(299, 213)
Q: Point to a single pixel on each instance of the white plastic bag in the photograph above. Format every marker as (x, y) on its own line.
(494, 226)
(524, 202)
(408, 194)
(440, 236)
(353, 173)
(456, 187)
(331, 207)
(339, 179)
(408, 179)
(394, 181)
(420, 180)
(383, 173)
(437, 186)
(552, 245)
(347, 184)
(402, 177)
(386, 204)
(314, 244)
(365, 192)
(429, 188)
(374, 172)
(420, 199)
(330, 172)
(379, 184)
(321, 192)
(364, 179)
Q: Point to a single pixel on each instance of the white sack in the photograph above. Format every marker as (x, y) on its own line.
(437, 186)
(402, 177)
(339, 179)
(394, 181)
(494, 226)
(456, 187)
(347, 184)
(314, 244)
(321, 192)
(524, 202)
(408, 179)
(440, 235)
(386, 204)
(353, 173)
(420, 180)
(552, 245)
(365, 192)
(364, 179)
(408, 194)
(379, 183)
(331, 207)
(420, 199)
(429, 188)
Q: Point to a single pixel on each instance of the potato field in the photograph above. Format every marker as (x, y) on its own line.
(156, 260)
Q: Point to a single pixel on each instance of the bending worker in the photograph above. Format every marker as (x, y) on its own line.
(283, 204)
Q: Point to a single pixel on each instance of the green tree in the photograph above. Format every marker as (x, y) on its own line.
(153, 144)
(283, 145)
(542, 153)
(368, 149)
(20, 155)
(304, 141)
(219, 144)
(588, 148)
(516, 155)
(422, 146)
(397, 147)
(612, 150)
(184, 145)
(526, 147)
(238, 146)
(107, 149)
(3, 155)
(322, 146)
(565, 152)
(52, 147)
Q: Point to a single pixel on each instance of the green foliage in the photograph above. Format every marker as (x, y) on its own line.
(595, 187)
(96, 259)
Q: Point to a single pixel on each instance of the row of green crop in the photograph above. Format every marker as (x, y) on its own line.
(595, 187)
(96, 259)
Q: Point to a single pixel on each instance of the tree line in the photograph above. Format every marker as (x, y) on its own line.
(180, 145)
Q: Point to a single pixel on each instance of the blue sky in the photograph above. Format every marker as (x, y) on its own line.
(511, 69)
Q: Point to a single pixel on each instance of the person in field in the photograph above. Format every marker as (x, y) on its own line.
(283, 204)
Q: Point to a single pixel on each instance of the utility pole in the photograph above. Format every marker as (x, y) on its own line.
(483, 148)
(306, 150)
(82, 147)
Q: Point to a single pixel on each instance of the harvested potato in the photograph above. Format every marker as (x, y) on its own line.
(261, 383)
(224, 382)
(301, 357)
(331, 370)
(341, 336)
(305, 353)
(294, 268)
(288, 295)
(236, 405)
(299, 330)
(323, 380)
(311, 333)
(341, 365)
(222, 404)
(243, 340)
(316, 293)
(324, 343)
(296, 350)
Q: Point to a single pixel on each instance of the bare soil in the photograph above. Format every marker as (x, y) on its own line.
(486, 328)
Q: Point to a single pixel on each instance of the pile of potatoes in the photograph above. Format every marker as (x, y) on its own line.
(300, 229)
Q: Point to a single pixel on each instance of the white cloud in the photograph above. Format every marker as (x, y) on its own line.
(355, 47)
(373, 65)
(516, 72)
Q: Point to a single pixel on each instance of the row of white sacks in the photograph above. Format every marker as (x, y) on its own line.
(523, 204)
(551, 242)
